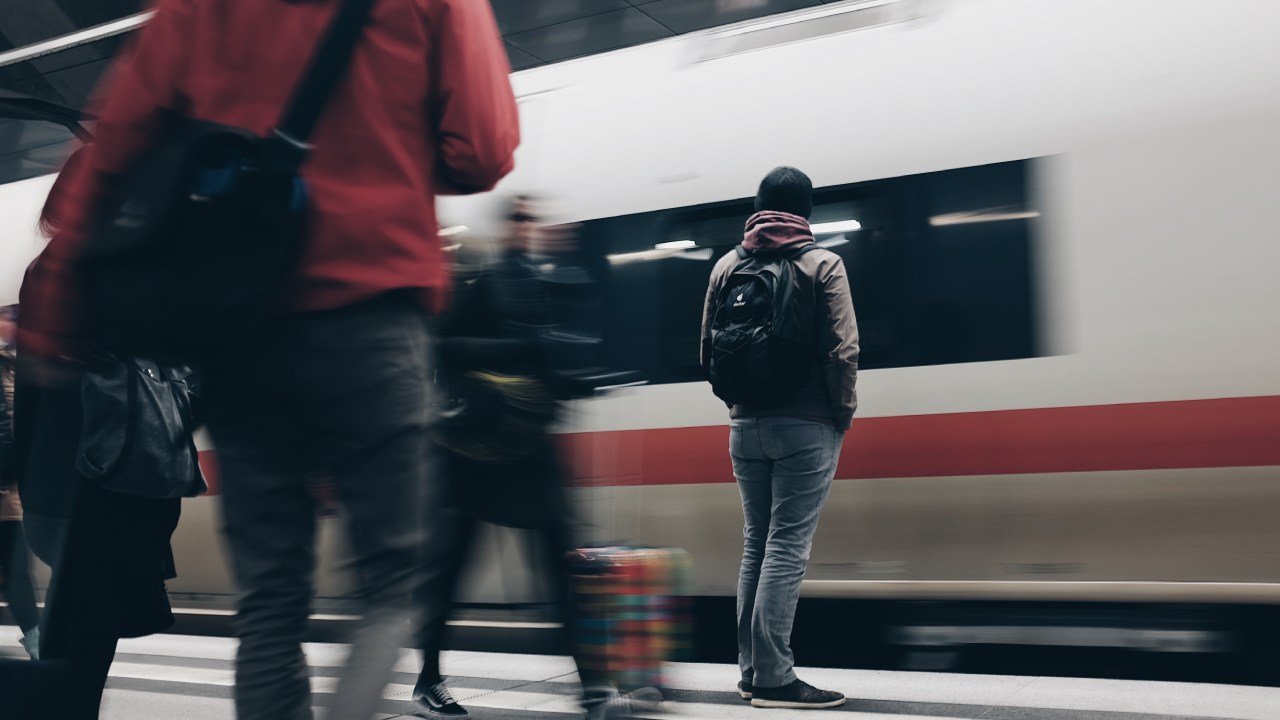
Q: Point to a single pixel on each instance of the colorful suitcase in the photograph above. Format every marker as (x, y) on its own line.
(633, 611)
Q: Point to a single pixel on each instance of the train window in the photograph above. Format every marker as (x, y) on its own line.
(939, 264)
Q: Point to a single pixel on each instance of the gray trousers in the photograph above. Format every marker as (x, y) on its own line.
(343, 395)
(784, 468)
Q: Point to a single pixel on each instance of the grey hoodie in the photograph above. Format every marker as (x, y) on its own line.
(829, 393)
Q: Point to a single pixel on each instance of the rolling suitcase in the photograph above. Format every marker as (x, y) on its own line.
(633, 613)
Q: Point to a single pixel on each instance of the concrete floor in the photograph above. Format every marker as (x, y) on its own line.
(191, 677)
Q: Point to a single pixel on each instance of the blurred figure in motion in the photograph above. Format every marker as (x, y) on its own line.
(505, 382)
(780, 346)
(108, 545)
(338, 385)
(14, 572)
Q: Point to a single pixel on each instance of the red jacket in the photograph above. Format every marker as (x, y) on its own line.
(426, 108)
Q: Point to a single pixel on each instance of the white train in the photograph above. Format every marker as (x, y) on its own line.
(1060, 225)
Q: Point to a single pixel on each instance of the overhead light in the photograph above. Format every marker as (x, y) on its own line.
(630, 257)
(806, 16)
(452, 248)
(824, 20)
(831, 228)
(676, 245)
(981, 216)
(660, 253)
(833, 242)
(75, 39)
(452, 230)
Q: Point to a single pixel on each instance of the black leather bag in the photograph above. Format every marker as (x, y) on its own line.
(136, 433)
(190, 250)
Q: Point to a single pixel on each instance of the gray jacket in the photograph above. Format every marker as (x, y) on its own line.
(829, 394)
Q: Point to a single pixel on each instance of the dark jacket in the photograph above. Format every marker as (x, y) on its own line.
(500, 315)
(829, 394)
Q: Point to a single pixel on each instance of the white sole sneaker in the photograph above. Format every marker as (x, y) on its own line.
(793, 705)
(744, 694)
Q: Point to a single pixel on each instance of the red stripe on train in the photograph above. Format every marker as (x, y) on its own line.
(1229, 432)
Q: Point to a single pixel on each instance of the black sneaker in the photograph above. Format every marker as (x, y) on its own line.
(744, 689)
(798, 695)
(436, 701)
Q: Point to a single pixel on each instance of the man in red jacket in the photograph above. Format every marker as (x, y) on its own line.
(340, 385)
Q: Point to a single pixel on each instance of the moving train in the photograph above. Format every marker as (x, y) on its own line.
(1059, 221)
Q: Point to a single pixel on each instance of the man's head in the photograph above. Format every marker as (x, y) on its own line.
(786, 189)
(522, 223)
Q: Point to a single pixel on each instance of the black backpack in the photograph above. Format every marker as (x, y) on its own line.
(190, 249)
(762, 332)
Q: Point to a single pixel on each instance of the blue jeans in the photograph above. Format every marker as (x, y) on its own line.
(784, 468)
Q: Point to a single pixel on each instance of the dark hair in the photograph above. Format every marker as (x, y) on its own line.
(786, 189)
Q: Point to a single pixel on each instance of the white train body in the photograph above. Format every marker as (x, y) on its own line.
(1131, 454)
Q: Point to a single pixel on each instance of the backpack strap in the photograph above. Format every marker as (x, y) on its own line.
(794, 253)
(328, 65)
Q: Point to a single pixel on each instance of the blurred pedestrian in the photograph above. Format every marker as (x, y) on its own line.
(779, 297)
(109, 549)
(338, 384)
(15, 575)
(505, 382)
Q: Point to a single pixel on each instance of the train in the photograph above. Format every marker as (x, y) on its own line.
(1059, 225)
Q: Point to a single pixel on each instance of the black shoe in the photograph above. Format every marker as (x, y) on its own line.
(435, 701)
(798, 695)
(744, 689)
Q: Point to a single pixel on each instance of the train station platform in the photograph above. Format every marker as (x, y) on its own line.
(191, 677)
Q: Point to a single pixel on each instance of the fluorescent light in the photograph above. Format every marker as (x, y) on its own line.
(981, 216)
(75, 39)
(805, 16)
(831, 228)
(452, 230)
(676, 245)
(833, 242)
(661, 253)
(630, 257)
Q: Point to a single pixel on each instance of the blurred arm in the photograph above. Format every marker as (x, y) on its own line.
(704, 347)
(476, 119)
(838, 343)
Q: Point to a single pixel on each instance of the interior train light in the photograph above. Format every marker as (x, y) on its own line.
(452, 230)
(981, 216)
(831, 228)
(833, 242)
(675, 245)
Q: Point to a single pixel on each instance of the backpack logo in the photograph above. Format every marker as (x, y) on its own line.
(738, 301)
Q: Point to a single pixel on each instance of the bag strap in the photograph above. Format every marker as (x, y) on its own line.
(327, 67)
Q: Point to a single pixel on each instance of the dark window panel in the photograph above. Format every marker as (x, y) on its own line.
(520, 15)
(598, 33)
(926, 293)
(683, 16)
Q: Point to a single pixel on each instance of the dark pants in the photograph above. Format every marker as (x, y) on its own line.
(17, 575)
(344, 394)
(453, 534)
(108, 584)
